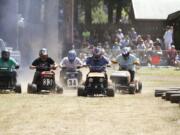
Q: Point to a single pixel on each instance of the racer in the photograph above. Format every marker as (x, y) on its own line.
(70, 64)
(8, 64)
(42, 63)
(127, 61)
(97, 62)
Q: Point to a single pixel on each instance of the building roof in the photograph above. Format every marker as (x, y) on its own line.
(174, 16)
(154, 9)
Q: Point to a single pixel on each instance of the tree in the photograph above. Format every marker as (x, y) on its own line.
(110, 5)
(88, 15)
(118, 5)
(87, 6)
(76, 15)
(99, 14)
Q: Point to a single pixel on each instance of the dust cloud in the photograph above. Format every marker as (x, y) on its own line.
(40, 30)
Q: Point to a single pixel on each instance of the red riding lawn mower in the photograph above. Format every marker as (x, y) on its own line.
(45, 83)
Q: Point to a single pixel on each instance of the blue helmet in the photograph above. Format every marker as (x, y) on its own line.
(71, 55)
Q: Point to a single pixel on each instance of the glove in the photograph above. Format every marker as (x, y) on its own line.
(17, 67)
(54, 68)
(136, 63)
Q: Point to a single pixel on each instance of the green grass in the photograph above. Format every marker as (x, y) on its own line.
(159, 71)
(159, 77)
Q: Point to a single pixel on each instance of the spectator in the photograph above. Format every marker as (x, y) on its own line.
(148, 42)
(115, 49)
(157, 50)
(99, 45)
(155, 56)
(85, 35)
(177, 60)
(120, 34)
(125, 41)
(160, 43)
(94, 39)
(168, 37)
(141, 48)
(106, 36)
(118, 42)
(172, 55)
(133, 37)
(133, 34)
(107, 48)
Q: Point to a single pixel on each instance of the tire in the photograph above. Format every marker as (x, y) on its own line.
(29, 88)
(110, 92)
(81, 91)
(32, 88)
(166, 90)
(163, 96)
(18, 88)
(139, 87)
(132, 89)
(169, 93)
(159, 92)
(59, 90)
(175, 98)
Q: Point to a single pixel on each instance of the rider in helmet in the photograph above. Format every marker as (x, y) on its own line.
(127, 61)
(42, 63)
(8, 63)
(97, 62)
(125, 53)
(5, 54)
(72, 56)
(71, 63)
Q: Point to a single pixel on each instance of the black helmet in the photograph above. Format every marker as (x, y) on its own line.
(43, 53)
(5, 54)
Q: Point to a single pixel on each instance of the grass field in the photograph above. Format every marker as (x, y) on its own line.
(67, 114)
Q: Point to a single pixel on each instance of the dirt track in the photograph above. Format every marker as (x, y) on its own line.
(68, 114)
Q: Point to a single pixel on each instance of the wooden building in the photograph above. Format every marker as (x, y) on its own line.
(174, 20)
(149, 17)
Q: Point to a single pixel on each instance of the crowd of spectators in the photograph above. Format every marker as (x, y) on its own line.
(143, 45)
